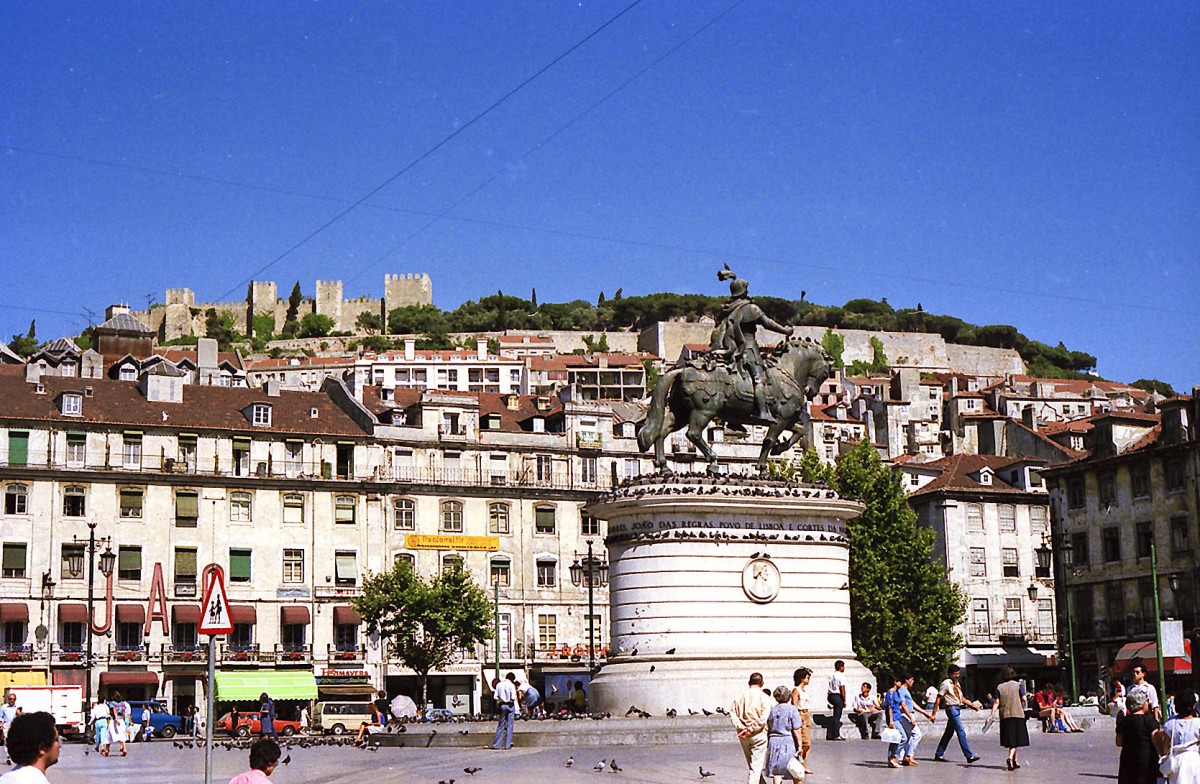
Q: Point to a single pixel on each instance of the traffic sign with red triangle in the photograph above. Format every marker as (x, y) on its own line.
(214, 610)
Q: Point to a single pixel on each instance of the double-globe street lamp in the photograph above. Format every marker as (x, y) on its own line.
(592, 570)
(1055, 569)
(108, 560)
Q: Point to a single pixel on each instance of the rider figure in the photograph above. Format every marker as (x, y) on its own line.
(735, 337)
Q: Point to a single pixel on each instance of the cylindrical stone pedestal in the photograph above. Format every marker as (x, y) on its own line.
(712, 578)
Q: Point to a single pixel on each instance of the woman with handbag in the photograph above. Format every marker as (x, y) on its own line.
(783, 739)
(802, 702)
(895, 711)
(1178, 742)
(1014, 734)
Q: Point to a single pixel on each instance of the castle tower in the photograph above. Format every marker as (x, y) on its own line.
(260, 299)
(329, 301)
(406, 289)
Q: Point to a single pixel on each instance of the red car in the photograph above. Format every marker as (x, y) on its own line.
(249, 724)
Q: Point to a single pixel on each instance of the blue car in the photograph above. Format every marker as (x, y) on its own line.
(164, 724)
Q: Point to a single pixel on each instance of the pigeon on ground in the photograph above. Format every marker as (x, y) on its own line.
(705, 773)
(671, 713)
(691, 712)
(612, 763)
(670, 651)
(706, 711)
(651, 668)
(632, 710)
(599, 766)
(570, 762)
(471, 771)
(722, 711)
(286, 759)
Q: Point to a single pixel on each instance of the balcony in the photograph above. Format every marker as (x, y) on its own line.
(341, 655)
(127, 654)
(16, 653)
(293, 654)
(243, 654)
(559, 479)
(1007, 633)
(185, 654)
(162, 464)
(66, 655)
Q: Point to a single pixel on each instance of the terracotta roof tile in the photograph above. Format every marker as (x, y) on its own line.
(957, 471)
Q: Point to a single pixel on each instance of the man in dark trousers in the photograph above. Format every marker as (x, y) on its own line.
(837, 700)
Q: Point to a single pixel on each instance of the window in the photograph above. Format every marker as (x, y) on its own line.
(128, 636)
(242, 636)
(292, 458)
(1145, 538)
(543, 520)
(588, 525)
(345, 636)
(545, 468)
(1174, 475)
(293, 566)
(1108, 489)
(501, 570)
(1038, 520)
(187, 452)
(239, 565)
(408, 559)
(547, 573)
(260, 415)
(185, 567)
(1181, 540)
(72, 404)
(1139, 480)
(292, 636)
(1009, 560)
(127, 373)
(1110, 544)
(18, 448)
(74, 501)
(1079, 549)
(76, 449)
(975, 518)
(498, 518)
(131, 451)
(1012, 611)
(239, 507)
(452, 562)
(241, 456)
(129, 562)
(452, 517)
(547, 625)
(1008, 518)
(343, 509)
(72, 553)
(187, 508)
(70, 637)
(588, 470)
(131, 502)
(978, 561)
(293, 508)
(1076, 494)
(404, 514)
(345, 568)
(16, 500)
(1045, 618)
(633, 467)
(13, 559)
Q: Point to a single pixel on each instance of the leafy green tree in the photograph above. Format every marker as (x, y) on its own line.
(263, 325)
(291, 319)
(903, 606)
(1154, 385)
(591, 345)
(27, 344)
(369, 323)
(652, 374)
(878, 363)
(417, 320)
(220, 327)
(533, 298)
(834, 346)
(428, 623)
(315, 325)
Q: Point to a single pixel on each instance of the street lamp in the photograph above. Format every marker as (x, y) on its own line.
(594, 570)
(1048, 565)
(47, 586)
(75, 565)
(1033, 591)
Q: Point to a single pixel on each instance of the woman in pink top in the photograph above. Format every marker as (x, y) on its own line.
(264, 757)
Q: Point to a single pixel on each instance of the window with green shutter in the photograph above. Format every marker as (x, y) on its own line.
(131, 502)
(543, 520)
(18, 448)
(187, 508)
(185, 565)
(239, 566)
(129, 563)
(13, 559)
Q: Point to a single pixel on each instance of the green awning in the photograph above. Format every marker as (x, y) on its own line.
(279, 684)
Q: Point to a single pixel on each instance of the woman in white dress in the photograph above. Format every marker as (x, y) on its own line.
(1178, 743)
(118, 725)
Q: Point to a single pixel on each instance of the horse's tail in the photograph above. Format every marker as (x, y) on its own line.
(652, 426)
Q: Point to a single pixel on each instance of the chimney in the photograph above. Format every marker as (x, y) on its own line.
(272, 387)
(1029, 418)
(33, 373)
(954, 386)
(481, 351)
(115, 310)
(410, 349)
(206, 362)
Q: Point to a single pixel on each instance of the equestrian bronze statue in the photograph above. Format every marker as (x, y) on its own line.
(739, 383)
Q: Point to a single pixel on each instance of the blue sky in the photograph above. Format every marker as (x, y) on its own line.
(1034, 164)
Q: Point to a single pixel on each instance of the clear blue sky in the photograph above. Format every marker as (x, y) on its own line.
(1032, 163)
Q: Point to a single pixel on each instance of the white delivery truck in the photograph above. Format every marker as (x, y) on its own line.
(64, 703)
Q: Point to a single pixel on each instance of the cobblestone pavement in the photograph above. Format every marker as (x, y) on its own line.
(1084, 758)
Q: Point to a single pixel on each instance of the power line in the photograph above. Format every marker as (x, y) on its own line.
(434, 148)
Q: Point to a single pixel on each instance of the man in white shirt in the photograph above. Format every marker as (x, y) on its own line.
(836, 697)
(1146, 687)
(865, 711)
(506, 704)
(8, 712)
(749, 714)
(952, 701)
(33, 744)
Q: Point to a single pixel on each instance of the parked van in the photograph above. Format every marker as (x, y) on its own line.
(64, 703)
(340, 717)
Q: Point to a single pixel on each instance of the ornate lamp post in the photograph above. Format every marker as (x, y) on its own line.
(108, 561)
(1045, 562)
(593, 570)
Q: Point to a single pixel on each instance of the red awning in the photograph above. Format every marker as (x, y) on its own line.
(136, 677)
(1146, 654)
(131, 613)
(242, 613)
(186, 613)
(14, 612)
(293, 613)
(72, 612)
(345, 615)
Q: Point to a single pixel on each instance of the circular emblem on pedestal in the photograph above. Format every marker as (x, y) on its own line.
(760, 580)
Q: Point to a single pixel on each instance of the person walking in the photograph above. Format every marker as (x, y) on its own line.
(99, 719)
(909, 721)
(783, 736)
(865, 710)
(8, 712)
(749, 714)
(33, 744)
(1135, 739)
(802, 702)
(118, 723)
(836, 697)
(1178, 743)
(264, 758)
(1010, 702)
(266, 717)
(1141, 684)
(895, 711)
(950, 697)
(506, 704)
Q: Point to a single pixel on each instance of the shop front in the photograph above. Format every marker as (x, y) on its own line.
(132, 684)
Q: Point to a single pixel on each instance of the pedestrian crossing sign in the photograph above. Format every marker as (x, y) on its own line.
(214, 611)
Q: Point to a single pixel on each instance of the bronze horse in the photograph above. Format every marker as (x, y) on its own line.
(704, 389)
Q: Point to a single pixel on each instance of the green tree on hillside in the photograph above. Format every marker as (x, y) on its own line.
(1154, 385)
(315, 325)
(220, 327)
(834, 346)
(369, 323)
(26, 344)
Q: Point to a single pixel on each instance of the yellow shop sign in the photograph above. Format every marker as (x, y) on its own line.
(436, 542)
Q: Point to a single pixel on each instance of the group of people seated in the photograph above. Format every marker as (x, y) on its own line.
(1048, 703)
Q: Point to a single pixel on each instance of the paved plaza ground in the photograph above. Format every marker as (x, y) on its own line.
(1086, 758)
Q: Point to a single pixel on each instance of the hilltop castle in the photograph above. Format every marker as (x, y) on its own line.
(181, 315)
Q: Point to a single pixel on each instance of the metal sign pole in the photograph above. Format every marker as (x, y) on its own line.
(208, 709)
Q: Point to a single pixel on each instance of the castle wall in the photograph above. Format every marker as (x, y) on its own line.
(406, 289)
